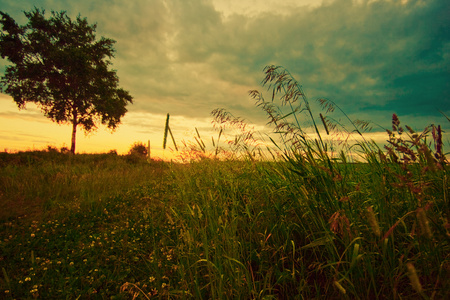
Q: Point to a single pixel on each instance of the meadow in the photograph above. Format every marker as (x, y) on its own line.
(305, 224)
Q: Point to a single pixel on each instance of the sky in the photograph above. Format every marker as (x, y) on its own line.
(187, 58)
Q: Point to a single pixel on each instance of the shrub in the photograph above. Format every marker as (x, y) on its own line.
(138, 149)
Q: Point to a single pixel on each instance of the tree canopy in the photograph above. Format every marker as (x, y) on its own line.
(58, 64)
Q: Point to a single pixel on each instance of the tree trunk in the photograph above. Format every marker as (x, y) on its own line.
(74, 131)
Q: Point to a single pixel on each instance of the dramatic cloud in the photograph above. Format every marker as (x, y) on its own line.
(186, 58)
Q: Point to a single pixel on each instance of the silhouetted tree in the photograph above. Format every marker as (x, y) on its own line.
(58, 64)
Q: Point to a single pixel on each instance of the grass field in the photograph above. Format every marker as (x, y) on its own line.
(308, 226)
(213, 229)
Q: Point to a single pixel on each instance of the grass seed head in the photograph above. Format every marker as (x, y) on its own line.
(412, 274)
(373, 221)
(339, 287)
(423, 223)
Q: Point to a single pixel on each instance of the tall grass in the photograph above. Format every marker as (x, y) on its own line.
(400, 194)
(365, 222)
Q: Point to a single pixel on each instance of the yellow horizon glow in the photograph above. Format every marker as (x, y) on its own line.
(29, 129)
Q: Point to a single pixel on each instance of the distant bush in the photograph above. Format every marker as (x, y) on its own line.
(138, 148)
(52, 149)
(112, 152)
(137, 152)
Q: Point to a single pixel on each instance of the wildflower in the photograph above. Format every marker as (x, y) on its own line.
(28, 279)
(33, 235)
(151, 279)
(153, 292)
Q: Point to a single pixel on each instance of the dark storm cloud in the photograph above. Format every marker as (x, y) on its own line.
(380, 56)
